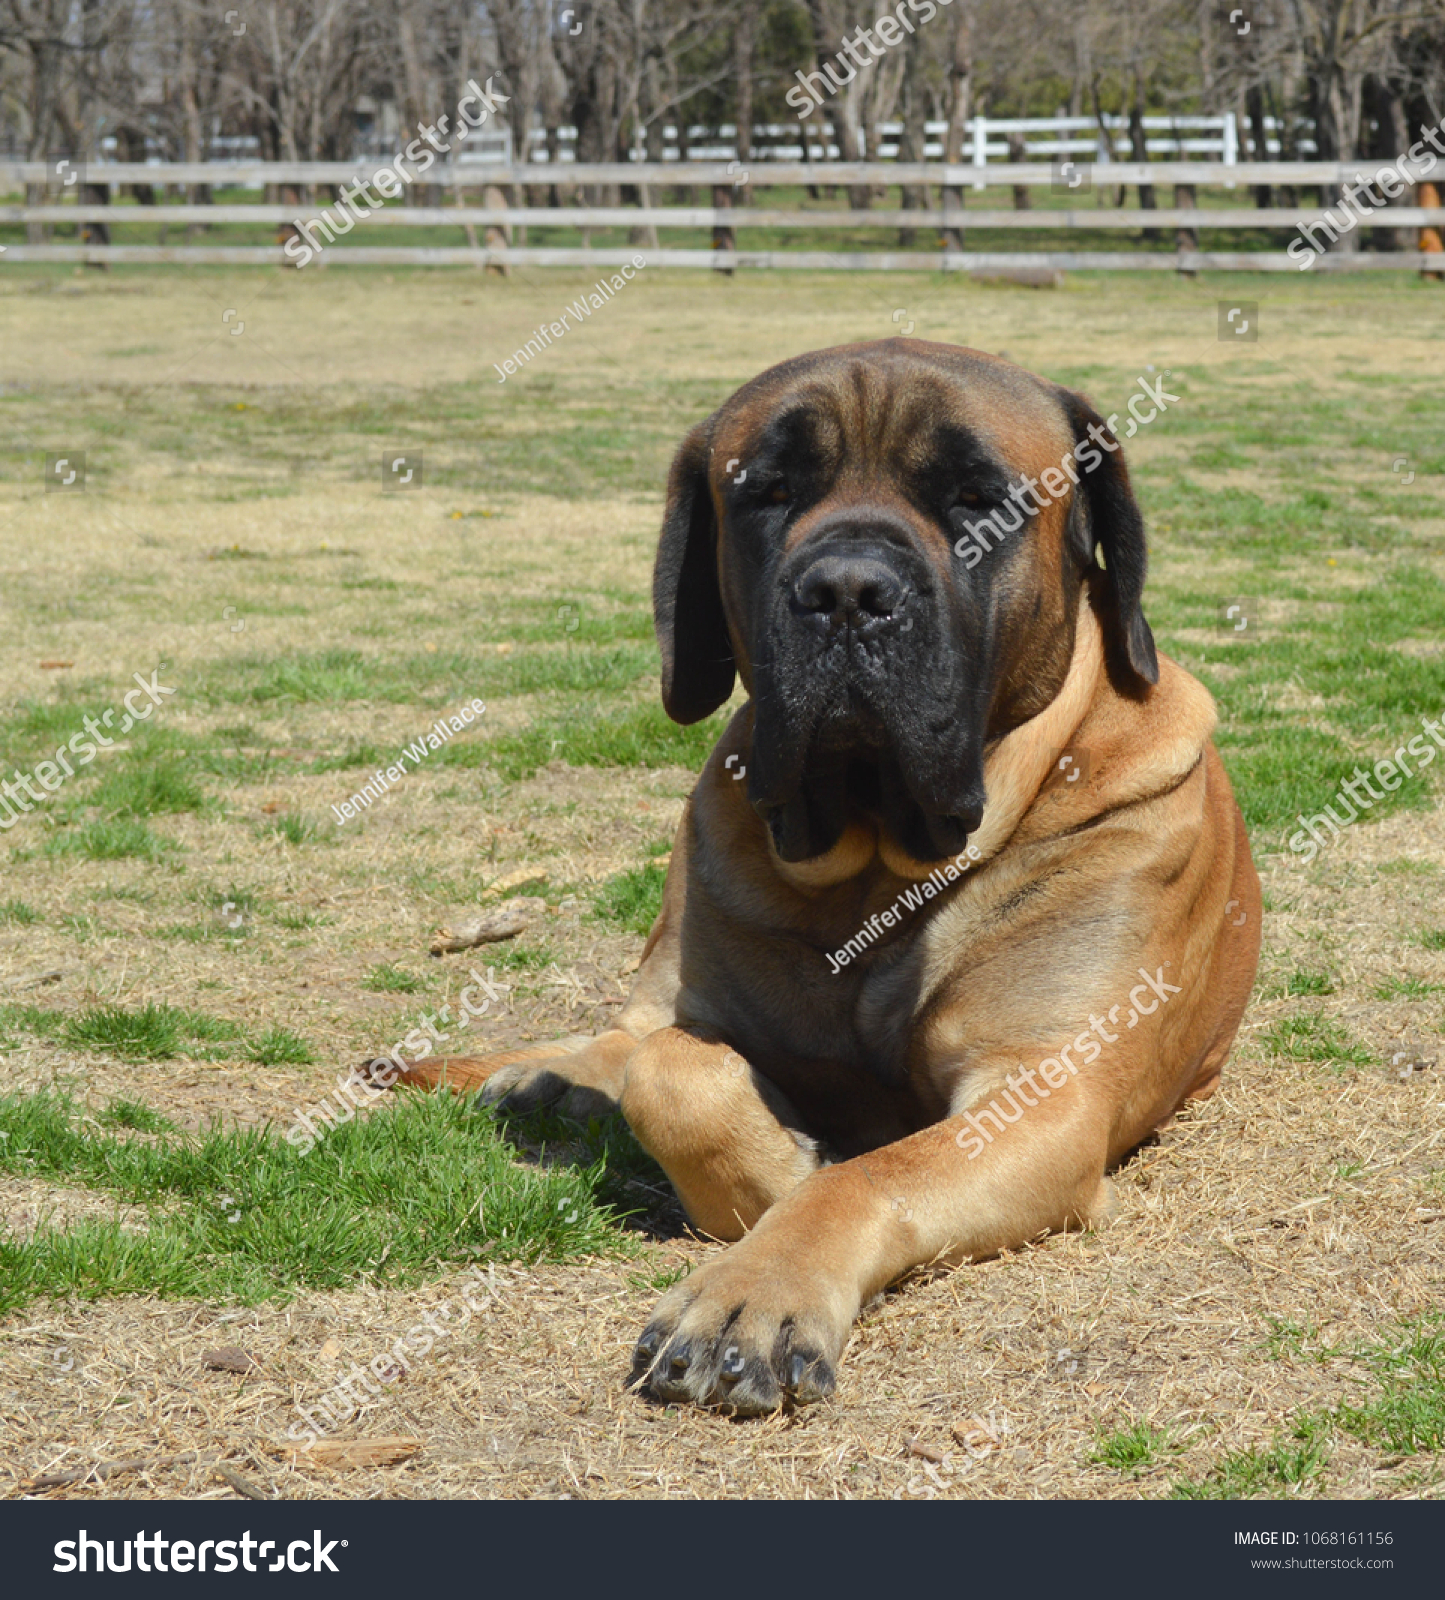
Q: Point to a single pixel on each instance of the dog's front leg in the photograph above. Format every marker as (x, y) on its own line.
(769, 1318)
(727, 1138)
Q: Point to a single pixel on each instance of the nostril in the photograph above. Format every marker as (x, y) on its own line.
(843, 589)
(815, 593)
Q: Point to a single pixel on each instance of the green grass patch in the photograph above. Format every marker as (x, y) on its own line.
(294, 828)
(156, 1032)
(300, 921)
(1406, 1414)
(632, 899)
(639, 736)
(1133, 1449)
(17, 914)
(136, 790)
(279, 1047)
(1310, 1036)
(387, 978)
(1303, 982)
(135, 1115)
(1288, 1466)
(111, 840)
(1402, 1413)
(150, 1033)
(395, 1197)
(514, 957)
(1407, 989)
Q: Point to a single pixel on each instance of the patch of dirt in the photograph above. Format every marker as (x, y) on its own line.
(27, 1204)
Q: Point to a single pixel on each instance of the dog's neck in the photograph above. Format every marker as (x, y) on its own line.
(1015, 769)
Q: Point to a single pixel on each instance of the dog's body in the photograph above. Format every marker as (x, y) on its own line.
(980, 916)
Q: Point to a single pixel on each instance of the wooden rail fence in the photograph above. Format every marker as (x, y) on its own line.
(81, 194)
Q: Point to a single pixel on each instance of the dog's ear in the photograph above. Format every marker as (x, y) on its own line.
(1110, 521)
(697, 656)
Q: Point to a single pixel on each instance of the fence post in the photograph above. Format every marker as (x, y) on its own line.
(723, 235)
(287, 194)
(647, 234)
(1018, 154)
(95, 194)
(494, 198)
(1187, 238)
(1427, 196)
(980, 145)
(952, 218)
(1231, 144)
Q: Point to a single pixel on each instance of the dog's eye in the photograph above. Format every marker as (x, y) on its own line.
(968, 499)
(778, 494)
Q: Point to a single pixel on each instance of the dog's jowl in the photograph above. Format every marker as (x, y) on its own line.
(983, 913)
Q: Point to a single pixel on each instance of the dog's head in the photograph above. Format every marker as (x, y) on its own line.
(854, 534)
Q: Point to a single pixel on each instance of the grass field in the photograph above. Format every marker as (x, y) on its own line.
(193, 947)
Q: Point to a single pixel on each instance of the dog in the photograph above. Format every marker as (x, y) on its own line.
(961, 909)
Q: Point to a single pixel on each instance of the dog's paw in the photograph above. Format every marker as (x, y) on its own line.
(530, 1085)
(746, 1334)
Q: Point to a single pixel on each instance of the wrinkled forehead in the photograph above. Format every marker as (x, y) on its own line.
(888, 410)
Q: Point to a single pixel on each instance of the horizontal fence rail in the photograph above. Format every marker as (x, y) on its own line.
(66, 192)
(732, 173)
(980, 261)
(721, 217)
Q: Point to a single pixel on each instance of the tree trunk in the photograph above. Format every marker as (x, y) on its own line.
(913, 146)
(1254, 113)
(1139, 148)
(747, 24)
(960, 108)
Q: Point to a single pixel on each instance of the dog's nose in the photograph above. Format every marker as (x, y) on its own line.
(853, 591)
